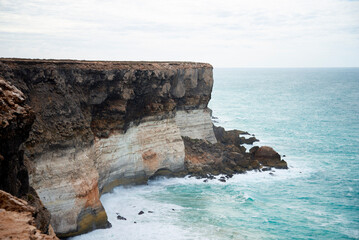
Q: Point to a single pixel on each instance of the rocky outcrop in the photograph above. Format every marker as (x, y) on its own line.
(227, 155)
(102, 124)
(17, 220)
(16, 119)
(268, 157)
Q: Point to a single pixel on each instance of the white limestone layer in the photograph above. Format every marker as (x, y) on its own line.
(196, 124)
(68, 180)
(140, 152)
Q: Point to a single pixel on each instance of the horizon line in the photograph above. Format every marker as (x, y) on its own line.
(284, 67)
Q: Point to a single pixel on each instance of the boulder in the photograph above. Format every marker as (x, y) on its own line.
(267, 156)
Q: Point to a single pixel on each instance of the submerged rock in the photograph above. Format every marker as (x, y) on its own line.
(119, 217)
(222, 179)
(229, 176)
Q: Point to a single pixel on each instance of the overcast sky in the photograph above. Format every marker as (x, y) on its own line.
(225, 33)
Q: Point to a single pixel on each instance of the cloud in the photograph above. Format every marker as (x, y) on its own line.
(225, 33)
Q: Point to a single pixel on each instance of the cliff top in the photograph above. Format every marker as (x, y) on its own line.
(107, 65)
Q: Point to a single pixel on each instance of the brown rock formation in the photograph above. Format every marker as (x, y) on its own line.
(232, 136)
(227, 156)
(268, 157)
(17, 220)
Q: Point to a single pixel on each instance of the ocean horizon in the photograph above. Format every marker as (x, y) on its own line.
(308, 115)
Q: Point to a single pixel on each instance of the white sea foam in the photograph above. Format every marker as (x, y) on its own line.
(159, 223)
(163, 222)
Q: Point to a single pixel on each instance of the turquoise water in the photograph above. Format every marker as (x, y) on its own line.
(309, 115)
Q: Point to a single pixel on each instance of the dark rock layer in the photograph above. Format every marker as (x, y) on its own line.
(16, 119)
(75, 101)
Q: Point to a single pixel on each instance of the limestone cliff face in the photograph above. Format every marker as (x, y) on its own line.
(196, 124)
(102, 124)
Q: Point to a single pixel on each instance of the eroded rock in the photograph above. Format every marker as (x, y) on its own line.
(267, 156)
(17, 220)
(227, 155)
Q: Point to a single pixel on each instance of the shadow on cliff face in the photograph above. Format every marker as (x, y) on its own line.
(16, 119)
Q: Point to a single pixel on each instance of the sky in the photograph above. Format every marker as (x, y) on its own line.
(225, 33)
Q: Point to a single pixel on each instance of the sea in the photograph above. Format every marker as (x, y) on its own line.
(311, 117)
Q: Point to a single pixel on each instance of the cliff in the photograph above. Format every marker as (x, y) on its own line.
(103, 124)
